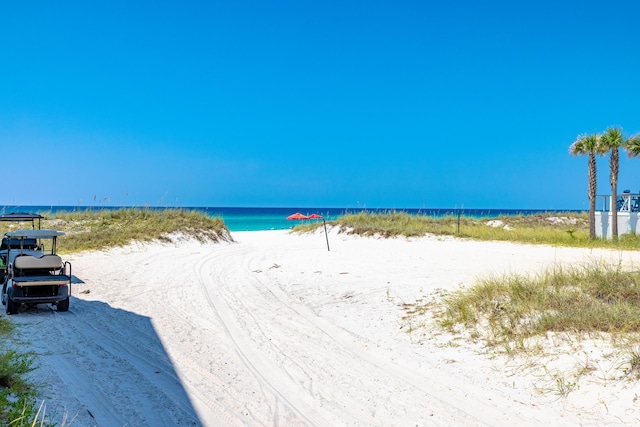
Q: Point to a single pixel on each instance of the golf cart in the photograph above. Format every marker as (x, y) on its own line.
(31, 271)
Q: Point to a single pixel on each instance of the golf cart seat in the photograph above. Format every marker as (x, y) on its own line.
(8, 243)
(45, 262)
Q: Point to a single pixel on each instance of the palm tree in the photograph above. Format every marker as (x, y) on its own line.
(589, 145)
(612, 140)
(633, 146)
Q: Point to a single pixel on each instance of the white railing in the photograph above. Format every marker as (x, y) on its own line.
(626, 202)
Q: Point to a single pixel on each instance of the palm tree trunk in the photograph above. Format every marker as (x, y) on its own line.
(614, 221)
(614, 165)
(592, 196)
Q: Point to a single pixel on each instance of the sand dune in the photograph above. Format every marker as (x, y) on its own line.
(276, 330)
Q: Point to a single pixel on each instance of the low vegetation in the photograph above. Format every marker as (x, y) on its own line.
(103, 228)
(557, 323)
(508, 310)
(17, 394)
(560, 229)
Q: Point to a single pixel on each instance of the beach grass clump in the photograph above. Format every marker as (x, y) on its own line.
(548, 228)
(102, 228)
(18, 405)
(393, 223)
(509, 309)
(559, 229)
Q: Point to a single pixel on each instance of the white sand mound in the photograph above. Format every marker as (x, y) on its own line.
(276, 330)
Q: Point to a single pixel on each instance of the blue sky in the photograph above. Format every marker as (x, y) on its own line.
(398, 104)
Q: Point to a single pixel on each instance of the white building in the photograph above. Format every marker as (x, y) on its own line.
(628, 206)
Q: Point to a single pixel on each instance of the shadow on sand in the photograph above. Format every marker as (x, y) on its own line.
(102, 366)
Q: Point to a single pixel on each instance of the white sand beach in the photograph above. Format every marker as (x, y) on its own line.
(276, 330)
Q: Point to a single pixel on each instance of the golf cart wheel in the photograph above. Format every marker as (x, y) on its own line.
(12, 307)
(63, 305)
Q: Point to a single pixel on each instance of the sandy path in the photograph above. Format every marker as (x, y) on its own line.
(276, 330)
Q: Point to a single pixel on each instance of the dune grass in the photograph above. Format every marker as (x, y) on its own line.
(541, 322)
(586, 299)
(562, 229)
(102, 228)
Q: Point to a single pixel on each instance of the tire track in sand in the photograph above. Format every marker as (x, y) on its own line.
(448, 402)
(270, 376)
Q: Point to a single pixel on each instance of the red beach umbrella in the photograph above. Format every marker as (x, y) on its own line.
(297, 215)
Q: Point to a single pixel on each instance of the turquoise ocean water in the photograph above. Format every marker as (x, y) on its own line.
(254, 219)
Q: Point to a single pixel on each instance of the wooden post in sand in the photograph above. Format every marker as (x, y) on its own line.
(325, 233)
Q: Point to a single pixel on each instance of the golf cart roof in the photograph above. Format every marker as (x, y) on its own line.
(36, 234)
(20, 216)
(23, 216)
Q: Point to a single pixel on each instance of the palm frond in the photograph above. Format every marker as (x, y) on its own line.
(585, 144)
(611, 139)
(633, 146)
